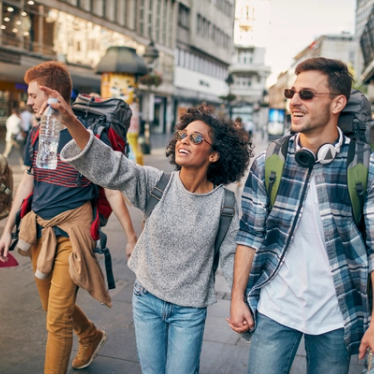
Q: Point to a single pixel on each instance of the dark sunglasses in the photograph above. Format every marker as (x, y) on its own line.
(304, 94)
(195, 138)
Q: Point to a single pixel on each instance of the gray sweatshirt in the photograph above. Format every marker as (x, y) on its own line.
(173, 258)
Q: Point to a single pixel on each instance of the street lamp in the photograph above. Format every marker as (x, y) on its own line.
(150, 56)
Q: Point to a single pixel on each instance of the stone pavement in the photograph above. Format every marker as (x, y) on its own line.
(22, 326)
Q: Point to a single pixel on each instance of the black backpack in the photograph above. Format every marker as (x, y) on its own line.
(112, 117)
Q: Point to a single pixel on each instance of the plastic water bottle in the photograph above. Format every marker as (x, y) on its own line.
(49, 135)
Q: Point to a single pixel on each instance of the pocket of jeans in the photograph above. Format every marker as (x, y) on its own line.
(139, 289)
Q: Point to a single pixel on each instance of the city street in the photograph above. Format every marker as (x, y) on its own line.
(22, 327)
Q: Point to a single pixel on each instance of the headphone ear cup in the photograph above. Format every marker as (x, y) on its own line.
(326, 153)
(305, 157)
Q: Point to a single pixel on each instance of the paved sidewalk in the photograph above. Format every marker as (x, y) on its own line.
(22, 327)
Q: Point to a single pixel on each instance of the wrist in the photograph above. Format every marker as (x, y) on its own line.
(238, 297)
(132, 238)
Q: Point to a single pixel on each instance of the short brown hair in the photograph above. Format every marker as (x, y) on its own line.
(339, 78)
(51, 74)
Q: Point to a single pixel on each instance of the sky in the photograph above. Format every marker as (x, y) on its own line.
(294, 24)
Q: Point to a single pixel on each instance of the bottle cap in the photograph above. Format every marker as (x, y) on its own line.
(52, 100)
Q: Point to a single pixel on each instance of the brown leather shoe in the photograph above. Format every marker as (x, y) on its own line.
(87, 352)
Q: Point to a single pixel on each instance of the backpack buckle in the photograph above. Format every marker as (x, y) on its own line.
(228, 211)
(157, 193)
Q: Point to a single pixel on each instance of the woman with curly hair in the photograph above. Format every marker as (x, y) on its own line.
(173, 258)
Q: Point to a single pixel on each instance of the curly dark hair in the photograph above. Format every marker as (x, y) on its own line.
(229, 141)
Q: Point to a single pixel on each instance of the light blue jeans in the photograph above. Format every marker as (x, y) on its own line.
(274, 346)
(168, 337)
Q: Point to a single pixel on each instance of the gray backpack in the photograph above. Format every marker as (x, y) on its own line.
(355, 120)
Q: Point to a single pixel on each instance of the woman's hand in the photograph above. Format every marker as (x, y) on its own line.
(66, 113)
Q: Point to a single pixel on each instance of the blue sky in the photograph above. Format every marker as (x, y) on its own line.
(296, 23)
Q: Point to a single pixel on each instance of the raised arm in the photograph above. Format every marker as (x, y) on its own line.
(68, 119)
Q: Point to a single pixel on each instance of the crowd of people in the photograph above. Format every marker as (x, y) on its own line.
(298, 264)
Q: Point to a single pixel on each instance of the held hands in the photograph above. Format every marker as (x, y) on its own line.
(240, 317)
(66, 113)
(367, 341)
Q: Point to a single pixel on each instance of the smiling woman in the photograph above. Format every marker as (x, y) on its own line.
(228, 141)
(174, 256)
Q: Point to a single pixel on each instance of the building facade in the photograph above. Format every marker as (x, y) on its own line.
(204, 45)
(78, 32)
(248, 70)
(366, 38)
(363, 11)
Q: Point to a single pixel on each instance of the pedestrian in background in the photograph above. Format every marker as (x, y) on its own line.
(13, 129)
(26, 124)
(58, 230)
(173, 258)
(308, 262)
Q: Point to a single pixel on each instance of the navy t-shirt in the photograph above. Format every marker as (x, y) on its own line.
(62, 189)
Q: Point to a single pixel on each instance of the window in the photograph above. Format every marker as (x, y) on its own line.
(184, 16)
(141, 17)
(97, 7)
(165, 22)
(150, 11)
(199, 24)
(181, 58)
(170, 23)
(158, 20)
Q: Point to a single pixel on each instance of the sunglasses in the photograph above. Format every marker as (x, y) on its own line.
(304, 94)
(195, 138)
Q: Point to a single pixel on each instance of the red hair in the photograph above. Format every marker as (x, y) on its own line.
(51, 74)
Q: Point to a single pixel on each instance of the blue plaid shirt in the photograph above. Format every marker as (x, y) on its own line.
(351, 259)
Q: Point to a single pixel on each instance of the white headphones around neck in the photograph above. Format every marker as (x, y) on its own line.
(325, 153)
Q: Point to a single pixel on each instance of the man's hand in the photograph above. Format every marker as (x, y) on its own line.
(240, 317)
(5, 242)
(367, 341)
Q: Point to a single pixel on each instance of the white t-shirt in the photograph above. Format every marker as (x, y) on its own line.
(26, 120)
(302, 295)
(13, 124)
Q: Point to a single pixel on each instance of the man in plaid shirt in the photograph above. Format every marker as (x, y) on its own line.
(303, 267)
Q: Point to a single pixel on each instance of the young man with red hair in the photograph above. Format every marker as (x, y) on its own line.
(62, 210)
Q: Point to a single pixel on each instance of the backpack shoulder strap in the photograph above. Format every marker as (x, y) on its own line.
(275, 159)
(34, 134)
(156, 194)
(358, 160)
(227, 212)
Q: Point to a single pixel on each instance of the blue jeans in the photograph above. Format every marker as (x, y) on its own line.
(274, 346)
(168, 337)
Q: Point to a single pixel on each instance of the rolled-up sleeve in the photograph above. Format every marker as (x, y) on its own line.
(252, 227)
